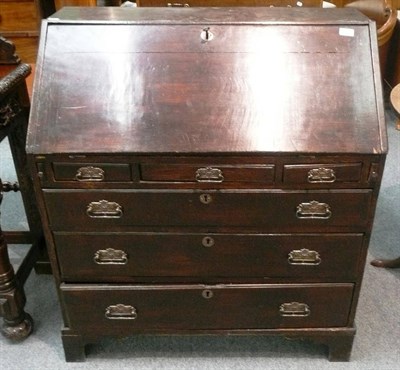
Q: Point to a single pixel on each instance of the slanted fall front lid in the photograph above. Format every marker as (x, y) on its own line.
(234, 80)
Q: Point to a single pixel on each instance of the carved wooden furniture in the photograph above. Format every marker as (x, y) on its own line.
(218, 174)
(14, 111)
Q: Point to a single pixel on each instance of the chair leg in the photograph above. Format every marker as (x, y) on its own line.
(17, 324)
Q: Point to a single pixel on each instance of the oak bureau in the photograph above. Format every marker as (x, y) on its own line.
(207, 170)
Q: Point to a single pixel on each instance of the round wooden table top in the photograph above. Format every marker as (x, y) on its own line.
(395, 98)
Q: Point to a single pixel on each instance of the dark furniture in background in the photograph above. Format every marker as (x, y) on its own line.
(217, 175)
(14, 112)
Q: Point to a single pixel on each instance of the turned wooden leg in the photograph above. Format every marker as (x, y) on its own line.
(74, 347)
(17, 323)
(395, 263)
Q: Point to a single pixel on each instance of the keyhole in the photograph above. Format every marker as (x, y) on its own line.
(205, 198)
(206, 34)
(208, 241)
(207, 294)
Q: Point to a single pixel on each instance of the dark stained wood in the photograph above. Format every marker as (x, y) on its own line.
(200, 307)
(71, 209)
(208, 256)
(279, 122)
(210, 150)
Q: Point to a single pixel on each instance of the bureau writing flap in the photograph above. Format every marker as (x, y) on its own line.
(195, 85)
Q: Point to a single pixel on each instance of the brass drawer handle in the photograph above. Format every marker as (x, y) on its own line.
(104, 209)
(304, 257)
(294, 309)
(209, 174)
(121, 312)
(89, 173)
(178, 5)
(313, 210)
(110, 256)
(321, 176)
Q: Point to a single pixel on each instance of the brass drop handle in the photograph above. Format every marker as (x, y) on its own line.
(110, 256)
(89, 173)
(294, 309)
(321, 176)
(104, 209)
(313, 210)
(304, 257)
(121, 312)
(209, 174)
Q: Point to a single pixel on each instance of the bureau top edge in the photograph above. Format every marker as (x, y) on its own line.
(208, 15)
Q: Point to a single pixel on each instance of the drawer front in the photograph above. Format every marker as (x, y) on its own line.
(320, 174)
(91, 172)
(295, 211)
(126, 309)
(208, 174)
(124, 257)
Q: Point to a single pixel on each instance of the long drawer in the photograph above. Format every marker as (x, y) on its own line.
(295, 211)
(103, 257)
(127, 309)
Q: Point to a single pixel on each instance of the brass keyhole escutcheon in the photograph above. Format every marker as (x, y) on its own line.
(207, 293)
(206, 35)
(205, 198)
(208, 241)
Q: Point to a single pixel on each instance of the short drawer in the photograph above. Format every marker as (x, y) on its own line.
(155, 308)
(321, 173)
(295, 211)
(104, 257)
(211, 174)
(91, 172)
